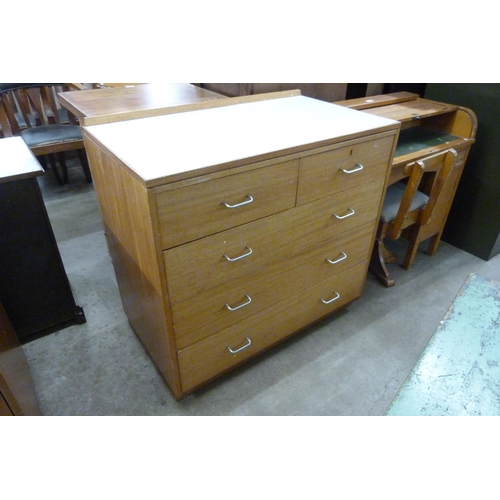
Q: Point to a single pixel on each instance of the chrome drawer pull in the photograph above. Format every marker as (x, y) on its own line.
(239, 257)
(241, 305)
(357, 168)
(248, 344)
(331, 300)
(246, 202)
(351, 212)
(344, 257)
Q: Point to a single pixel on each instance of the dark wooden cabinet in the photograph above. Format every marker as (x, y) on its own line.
(474, 220)
(34, 287)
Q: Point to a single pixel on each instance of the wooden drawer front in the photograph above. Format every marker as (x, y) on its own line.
(321, 175)
(199, 266)
(197, 210)
(203, 315)
(208, 358)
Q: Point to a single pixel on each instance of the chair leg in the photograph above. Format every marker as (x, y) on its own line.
(62, 161)
(433, 244)
(85, 164)
(413, 242)
(377, 264)
(53, 166)
(43, 162)
(388, 256)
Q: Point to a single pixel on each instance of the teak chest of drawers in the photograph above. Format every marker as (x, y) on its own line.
(233, 227)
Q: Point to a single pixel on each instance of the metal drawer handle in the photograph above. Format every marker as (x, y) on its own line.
(241, 305)
(357, 168)
(235, 351)
(344, 257)
(240, 256)
(337, 296)
(246, 202)
(351, 212)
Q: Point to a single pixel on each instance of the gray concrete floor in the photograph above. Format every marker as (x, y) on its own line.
(351, 364)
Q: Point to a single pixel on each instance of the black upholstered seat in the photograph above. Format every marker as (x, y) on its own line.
(393, 198)
(51, 134)
(33, 111)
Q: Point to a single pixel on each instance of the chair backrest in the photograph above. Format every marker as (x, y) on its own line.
(27, 105)
(440, 164)
(448, 160)
(4, 123)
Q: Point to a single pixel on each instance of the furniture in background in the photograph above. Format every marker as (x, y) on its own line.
(34, 288)
(414, 88)
(474, 220)
(254, 225)
(427, 128)
(324, 91)
(33, 111)
(409, 208)
(17, 392)
(124, 101)
(436, 170)
(119, 84)
(329, 92)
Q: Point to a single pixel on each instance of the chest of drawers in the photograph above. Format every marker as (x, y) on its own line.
(233, 227)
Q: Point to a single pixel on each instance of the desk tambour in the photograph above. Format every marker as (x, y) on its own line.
(233, 227)
(427, 127)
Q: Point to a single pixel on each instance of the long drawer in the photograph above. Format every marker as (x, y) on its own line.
(198, 317)
(197, 210)
(201, 265)
(210, 357)
(334, 171)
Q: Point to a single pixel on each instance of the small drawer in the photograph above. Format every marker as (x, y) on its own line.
(197, 210)
(340, 169)
(205, 314)
(218, 353)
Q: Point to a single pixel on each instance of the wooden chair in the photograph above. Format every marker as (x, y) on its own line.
(33, 112)
(408, 212)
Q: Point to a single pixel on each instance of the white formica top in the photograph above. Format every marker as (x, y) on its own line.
(164, 146)
(17, 161)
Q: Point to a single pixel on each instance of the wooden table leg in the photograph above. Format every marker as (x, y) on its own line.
(380, 255)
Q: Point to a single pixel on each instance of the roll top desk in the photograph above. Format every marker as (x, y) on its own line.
(427, 128)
